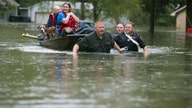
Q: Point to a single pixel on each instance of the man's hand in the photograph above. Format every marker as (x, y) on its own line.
(122, 50)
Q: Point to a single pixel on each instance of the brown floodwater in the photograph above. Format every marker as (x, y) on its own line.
(35, 77)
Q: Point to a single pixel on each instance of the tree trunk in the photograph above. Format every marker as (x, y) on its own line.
(82, 9)
(94, 14)
(95, 10)
(189, 14)
(152, 19)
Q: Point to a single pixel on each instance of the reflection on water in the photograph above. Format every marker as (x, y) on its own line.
(35, 77)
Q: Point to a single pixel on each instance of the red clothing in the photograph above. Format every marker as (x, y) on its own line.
(71, 23)
(51, 20)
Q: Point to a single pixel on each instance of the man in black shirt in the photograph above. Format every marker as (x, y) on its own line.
(97, 41)
(130, 40)
(119, 29)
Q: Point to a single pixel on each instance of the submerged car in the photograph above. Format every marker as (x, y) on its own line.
(19, 19)
(85, 27)
(85, 24)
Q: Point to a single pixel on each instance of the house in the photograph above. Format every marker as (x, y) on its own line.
(39, 13)
(8, 8)
(180, 15)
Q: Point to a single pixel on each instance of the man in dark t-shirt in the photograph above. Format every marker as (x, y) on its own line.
(97, 41)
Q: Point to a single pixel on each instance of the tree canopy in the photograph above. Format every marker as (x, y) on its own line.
(121, 8)
(150, 12)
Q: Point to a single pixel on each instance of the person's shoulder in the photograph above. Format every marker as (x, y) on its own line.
(114, 35)
(121, 34)
(136, 34)
(52, 14)
(117, 36)
(61, 13)
(91, 35)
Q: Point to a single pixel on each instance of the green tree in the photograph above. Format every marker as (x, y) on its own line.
(82, 9)
(103, 9)
(97, 8)
(159, 11)
(121, 8)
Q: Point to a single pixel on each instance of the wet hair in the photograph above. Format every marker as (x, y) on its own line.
(69, 4)
(133, 24)
(98, 23)
(120, 23)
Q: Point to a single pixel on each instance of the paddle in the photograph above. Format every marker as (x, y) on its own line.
(38, 37)
(29, 36)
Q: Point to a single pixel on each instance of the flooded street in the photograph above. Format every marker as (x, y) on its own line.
(35, 77)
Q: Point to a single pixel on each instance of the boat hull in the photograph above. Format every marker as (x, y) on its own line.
(63, 43)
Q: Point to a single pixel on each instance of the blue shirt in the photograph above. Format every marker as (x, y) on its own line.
(59, 19)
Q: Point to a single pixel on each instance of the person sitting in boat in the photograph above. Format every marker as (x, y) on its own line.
(51, 23)
(66, 20)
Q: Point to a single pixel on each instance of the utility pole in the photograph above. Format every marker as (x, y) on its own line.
(82, 9)
(152, 17)
(189, 14)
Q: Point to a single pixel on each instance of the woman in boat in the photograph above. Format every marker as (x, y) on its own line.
(71, 20)
(66, 19)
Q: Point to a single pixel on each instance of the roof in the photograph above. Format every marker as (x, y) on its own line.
(11, 2)
(178, 10)
(2, 3)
